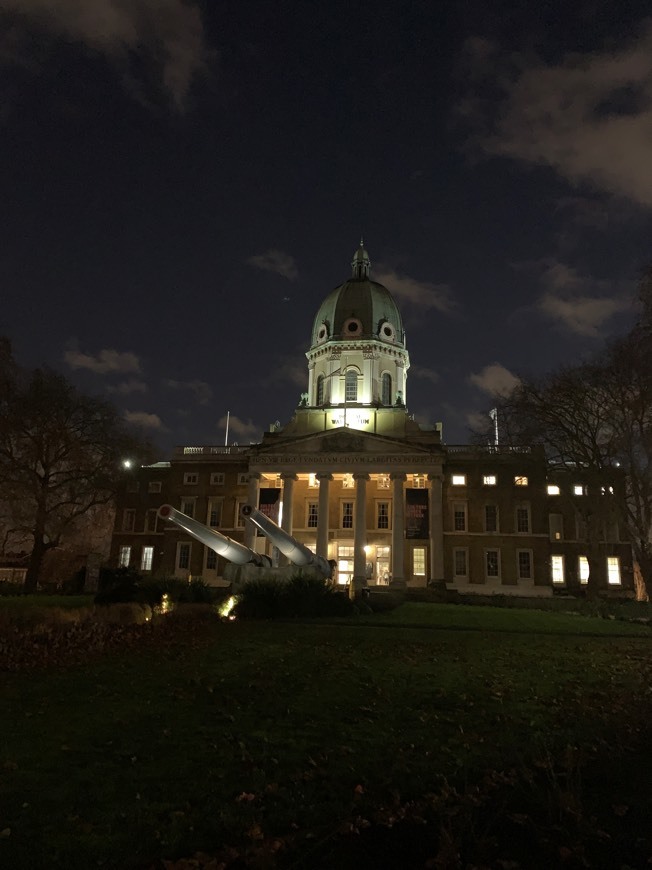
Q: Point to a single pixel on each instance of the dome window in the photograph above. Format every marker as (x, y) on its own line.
(322, 333)
(386, 396)
(353, 326)
(387, 331)
(320, 390)
(351, 386)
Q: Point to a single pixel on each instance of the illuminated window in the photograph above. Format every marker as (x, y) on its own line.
(491, 518)
(313, 515)
(347, 515)
(243, 478)
(217, 478)
(183, 556)
(458, 480)
(584, 570)
(344, 564)
(461, 562)
(523, 519)
(419, 561)
(557, 569)
(459, 516)
(348, 482)
(128, 520)
(382, 514)
(124, 557)
(190, 478)
(613, 570)
(489, 480)
(524, 564)
(553, 489)
(313, 483)
(351, 386)
(382, 564)
(418, 481)
(146, 559)
(492, 563)
(607, 490)
(578, 489)
(211, 559)
(154, 486)
(520, 481)
(320, 390)
(383, 481)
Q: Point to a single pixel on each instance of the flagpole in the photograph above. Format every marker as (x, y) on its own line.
(226, 434)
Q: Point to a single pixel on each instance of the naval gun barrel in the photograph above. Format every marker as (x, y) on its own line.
(230, 550)
(295, 551)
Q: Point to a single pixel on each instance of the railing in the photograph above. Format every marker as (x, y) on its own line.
(231, 450)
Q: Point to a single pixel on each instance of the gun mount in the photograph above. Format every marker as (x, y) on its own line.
(295, 551)
(232, 551)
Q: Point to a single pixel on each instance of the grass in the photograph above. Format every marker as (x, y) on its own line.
(431, 732)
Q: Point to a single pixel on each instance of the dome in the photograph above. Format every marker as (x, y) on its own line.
(359, 309)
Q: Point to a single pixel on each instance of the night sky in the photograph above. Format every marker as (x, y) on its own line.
(182, 183)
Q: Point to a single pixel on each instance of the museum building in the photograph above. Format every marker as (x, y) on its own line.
(357, 480)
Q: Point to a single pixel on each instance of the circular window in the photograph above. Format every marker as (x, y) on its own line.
(353, 326)
(323, 332)
(387, 331)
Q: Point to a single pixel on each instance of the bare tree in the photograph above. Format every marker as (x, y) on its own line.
(60, 455)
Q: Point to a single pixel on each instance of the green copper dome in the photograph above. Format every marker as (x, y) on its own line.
(359, 309)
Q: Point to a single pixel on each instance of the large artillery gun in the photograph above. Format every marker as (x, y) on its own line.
(243, 563)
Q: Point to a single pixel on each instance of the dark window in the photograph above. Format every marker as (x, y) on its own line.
(492, 561)
(524, 565)
(490, 518)
(522, 519)
(320, 390)
(386, 397)
(347, 515)
(313, 515)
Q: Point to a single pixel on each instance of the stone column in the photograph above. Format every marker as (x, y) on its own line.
(287, 520)
(253, 493)
(436, 529)
(312, 396)
(398, 531)
(322, 514)
(360, 531)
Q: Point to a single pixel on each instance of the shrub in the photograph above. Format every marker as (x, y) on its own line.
(7, 588)
(300, 596)
(117, 585)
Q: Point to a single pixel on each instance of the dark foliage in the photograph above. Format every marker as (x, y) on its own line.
(300, 597)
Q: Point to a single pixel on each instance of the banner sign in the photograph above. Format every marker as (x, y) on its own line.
(416, 514)
(269, 504)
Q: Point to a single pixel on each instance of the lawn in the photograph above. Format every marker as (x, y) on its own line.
(463, 736)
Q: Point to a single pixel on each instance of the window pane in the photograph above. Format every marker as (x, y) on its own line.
(491, 518)
(351, 387)
(313, 515)
(459, 517)
(146, 559)
(184, 556)
(492, 563)
(613, 570)
(520, 481)
(459, 480)
(211, 560)
(557, 568)
(347, 515)
(382, 519)
(522, 519)
(460, 567)
(489, 480)
(125, 557)
(584, 569)
(386, 397)
(419, 561)
(524, 565)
